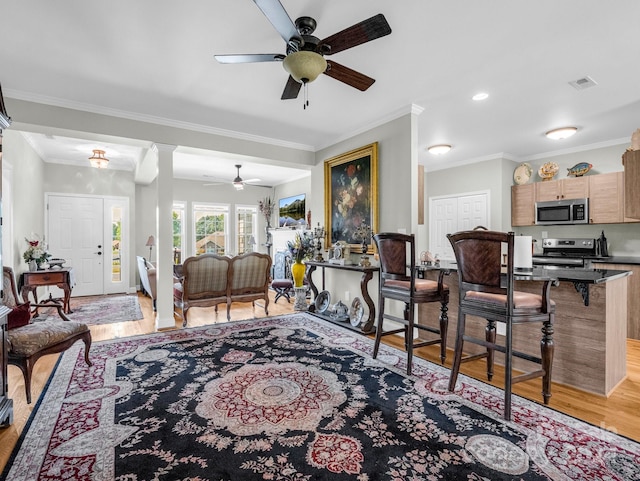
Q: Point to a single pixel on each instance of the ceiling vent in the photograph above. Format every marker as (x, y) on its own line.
(583, 83)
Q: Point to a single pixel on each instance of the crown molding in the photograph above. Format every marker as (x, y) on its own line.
(396, 114)
(573, 150)
(178, 124)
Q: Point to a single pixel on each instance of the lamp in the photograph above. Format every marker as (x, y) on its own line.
(151, 241)
(439, 149)
(98, 160)
(304, 66)
(238, 184)
(561, 133)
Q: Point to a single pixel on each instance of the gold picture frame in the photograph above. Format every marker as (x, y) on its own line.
(351, 196)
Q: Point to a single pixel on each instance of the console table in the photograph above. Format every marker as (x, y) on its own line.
(63, 278)
(367, 274)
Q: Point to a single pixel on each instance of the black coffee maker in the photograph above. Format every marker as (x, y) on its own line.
(601, 246)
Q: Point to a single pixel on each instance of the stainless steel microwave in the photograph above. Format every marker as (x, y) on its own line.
(566, 211)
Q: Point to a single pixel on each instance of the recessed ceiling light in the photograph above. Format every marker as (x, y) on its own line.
(439, 149)
(480, 96)
(561, 133)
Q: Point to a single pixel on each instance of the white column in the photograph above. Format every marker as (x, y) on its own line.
(164, 237)
(420, 230)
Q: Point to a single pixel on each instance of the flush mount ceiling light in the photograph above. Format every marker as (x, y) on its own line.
(561, 133)
(439, 149)
(480, 96)
(98, 160)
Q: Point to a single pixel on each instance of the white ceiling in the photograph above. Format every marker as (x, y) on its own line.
(154, 59)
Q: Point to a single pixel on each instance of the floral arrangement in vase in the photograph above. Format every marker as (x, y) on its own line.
(36, 252)
(301, 248)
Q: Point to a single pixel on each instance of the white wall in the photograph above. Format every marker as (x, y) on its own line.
(492, 175)
(28, 198)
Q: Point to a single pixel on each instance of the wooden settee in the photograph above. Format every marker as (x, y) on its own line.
(209, 279)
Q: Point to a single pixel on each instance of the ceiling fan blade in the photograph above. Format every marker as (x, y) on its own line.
(348, 76)
(248, 58)
(365, 31)
(279, 18)
(291, 90)
(250, 181)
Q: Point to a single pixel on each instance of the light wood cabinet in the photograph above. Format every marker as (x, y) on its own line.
(523, 205)
(606, 194)
(569, 188)
(631, 163)
(633, 296)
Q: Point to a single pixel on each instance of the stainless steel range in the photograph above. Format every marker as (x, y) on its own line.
(570, 252)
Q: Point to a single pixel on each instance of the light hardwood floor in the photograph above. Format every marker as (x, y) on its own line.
(618, 413)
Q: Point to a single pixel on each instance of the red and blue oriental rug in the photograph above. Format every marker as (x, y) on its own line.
(292, 398)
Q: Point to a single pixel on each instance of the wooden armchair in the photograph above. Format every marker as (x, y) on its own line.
(28, 341)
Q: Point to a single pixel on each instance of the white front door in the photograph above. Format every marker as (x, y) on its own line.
(76, 235)
(91, 233)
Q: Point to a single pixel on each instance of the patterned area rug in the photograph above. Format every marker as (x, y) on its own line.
(93, 310)
(296, 399)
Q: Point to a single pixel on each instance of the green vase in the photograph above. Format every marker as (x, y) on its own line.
(297, 271)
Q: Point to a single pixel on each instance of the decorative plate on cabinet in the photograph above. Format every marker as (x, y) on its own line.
(548, 170)
(322, 301)
(522, 174)
(356, 312)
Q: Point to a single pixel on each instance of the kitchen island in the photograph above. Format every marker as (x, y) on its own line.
(590, 328)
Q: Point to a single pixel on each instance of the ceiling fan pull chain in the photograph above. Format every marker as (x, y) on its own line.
(306, 95)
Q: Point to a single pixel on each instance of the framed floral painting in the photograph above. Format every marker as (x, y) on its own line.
(351, 196)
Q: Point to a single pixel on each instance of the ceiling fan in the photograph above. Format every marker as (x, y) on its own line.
(238, 183)
(304, 59)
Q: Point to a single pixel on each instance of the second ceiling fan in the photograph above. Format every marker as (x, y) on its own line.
(304, 59)
(238, 183)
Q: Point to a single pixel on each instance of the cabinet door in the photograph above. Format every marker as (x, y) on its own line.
(569, 188)
(605, 198)
(547, 190)
(631, 162)
(633, 296)
(626, 219)
(575, 188)
(523, 205)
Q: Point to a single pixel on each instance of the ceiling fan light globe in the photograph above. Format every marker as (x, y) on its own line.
(238, 185)
(304, 66)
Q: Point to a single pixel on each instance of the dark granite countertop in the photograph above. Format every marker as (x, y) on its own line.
(618, 260)
(589, 276)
